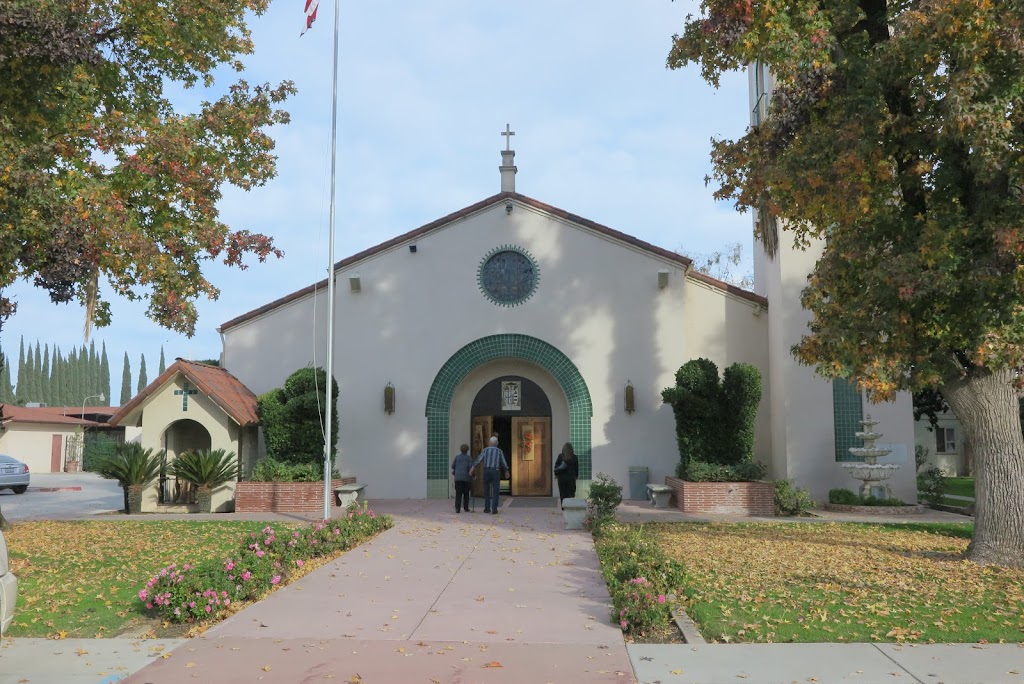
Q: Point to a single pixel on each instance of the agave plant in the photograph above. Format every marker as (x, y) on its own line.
(130, 465)
(205, 469)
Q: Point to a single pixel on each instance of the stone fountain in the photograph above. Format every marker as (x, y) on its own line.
(871, 473)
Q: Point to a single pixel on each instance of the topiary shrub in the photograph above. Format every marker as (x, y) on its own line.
(605, 496)
(714, 418)
(291, 417)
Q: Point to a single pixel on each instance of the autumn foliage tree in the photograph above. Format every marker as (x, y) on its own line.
(895, 136)
(101, 177)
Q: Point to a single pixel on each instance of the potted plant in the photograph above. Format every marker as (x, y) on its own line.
(74, 448)
(206, 470)
(133, 467)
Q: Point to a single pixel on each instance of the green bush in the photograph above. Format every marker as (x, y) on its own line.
(98, 445)
(920, 455)
(714, 418)
(844, 497)
(271, 470)
(698, 471)
(791, 500)
(605, 496)
(205, 468)
(932, 483)
(291, 417)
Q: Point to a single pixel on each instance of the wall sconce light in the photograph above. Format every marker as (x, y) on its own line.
(354, 283)
(628, 399)
(412, 249)
(389, 398)
(662, 279)
(508, 207)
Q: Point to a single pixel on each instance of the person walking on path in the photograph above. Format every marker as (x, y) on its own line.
(461, 465)
(567, 470)
(492, 459)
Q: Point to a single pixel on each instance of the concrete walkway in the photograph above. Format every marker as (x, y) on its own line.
(478, 598)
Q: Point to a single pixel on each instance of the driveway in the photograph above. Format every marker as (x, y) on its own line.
(62, 496)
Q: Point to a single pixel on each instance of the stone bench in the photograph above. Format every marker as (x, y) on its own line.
(659, 495)
(348, 494)
(574, 511)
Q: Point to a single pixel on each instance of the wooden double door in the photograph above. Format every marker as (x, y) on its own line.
(526, 442)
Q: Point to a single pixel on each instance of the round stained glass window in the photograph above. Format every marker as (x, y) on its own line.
(508, 275)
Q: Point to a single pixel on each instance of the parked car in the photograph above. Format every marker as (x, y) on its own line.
(8, 588)
(13, 474)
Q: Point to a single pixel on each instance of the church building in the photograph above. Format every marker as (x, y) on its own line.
(517, 318)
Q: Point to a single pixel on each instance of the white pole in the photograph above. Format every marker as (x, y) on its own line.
(330, 277)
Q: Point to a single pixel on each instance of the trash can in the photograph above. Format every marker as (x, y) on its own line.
(638, 482)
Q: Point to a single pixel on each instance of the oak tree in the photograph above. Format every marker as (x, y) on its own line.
(101, 175)
(895, 135)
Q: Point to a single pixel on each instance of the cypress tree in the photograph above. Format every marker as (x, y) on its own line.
(142, 374)
(163, 364)
(6, 388)
(38, 386)
(74, 393)
(126, 382)
(30, 377)
(94, 369)
(46, 379)
(56, 377)
(105, 375)
(19, 394)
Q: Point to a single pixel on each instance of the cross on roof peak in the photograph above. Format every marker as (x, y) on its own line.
(508, 133)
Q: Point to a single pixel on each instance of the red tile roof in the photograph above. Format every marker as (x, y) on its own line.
(220, 386)
(53, 415)
(483, 204)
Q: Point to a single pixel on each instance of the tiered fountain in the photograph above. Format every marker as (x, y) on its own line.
(871, 473)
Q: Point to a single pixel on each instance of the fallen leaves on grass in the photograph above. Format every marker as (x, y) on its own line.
(776, 582)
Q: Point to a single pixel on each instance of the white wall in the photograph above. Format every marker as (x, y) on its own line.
(598, 302)
(31, 443)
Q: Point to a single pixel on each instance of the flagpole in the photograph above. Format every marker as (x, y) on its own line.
(330, 275)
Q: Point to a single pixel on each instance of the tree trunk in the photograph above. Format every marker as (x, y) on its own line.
(987, 406)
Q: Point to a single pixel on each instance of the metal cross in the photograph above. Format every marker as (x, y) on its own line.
(508, 133)
(184, 392)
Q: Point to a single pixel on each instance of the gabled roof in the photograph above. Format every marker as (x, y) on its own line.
(49, 415)
(224, 389)
(685, 262)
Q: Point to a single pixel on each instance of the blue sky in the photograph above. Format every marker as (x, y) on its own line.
(603, 130)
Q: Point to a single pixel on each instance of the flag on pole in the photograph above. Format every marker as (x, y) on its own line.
(311, 6)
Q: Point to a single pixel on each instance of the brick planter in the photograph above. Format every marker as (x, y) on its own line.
(909, 509)
(737, 498)
(284, 497)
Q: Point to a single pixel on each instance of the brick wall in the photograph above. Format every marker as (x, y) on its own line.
(284, 497)
(739, 498)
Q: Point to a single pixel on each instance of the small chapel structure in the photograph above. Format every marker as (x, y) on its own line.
(517, 318)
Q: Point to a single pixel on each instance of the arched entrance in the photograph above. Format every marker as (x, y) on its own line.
(494, 348)
(517, 411)
(179, 437)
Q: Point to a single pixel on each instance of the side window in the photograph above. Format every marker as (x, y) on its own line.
(945, 440)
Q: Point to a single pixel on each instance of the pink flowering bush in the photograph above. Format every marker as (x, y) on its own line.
(264, 560)
(642, 580)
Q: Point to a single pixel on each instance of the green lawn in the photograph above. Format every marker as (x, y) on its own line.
(82, 578)
(960, 486)
(811, 582)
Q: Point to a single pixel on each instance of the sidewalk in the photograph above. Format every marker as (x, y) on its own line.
(511, 598)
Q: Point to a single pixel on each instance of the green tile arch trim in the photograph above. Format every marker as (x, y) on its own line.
(494, 348)
(847, 412)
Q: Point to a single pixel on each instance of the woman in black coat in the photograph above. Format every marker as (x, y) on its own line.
(567, 469)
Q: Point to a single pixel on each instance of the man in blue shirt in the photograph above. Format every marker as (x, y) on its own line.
(495, 467)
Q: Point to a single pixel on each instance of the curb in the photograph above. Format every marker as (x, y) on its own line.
(687, 627)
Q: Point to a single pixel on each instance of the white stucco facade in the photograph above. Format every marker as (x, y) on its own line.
(598, 302)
